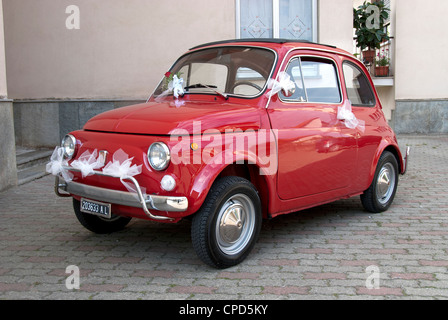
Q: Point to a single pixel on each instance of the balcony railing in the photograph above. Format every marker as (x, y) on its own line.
(380, 77)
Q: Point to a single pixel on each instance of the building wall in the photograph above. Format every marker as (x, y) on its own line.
(121, 50)
(336, 23)
(8, 170)
(60, 77)
(117, 56)
(421, 86)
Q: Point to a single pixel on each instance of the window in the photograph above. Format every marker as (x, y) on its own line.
(316, 80)
(215, 74)
(235, 70)
(359, 91)
(289, 19)
(248, 82)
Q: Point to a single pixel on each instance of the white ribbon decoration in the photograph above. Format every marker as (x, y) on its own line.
(346, 114)
(121, 167)
(57, 163)
(284, 82)
(87, 162)
(176, 86)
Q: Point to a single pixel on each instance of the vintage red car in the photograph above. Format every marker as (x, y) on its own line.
(236, 132)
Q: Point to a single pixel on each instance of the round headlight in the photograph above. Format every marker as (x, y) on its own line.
(159, 156)
(69, 146)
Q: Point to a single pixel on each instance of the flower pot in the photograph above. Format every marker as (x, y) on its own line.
(382, 71)
(368, 56)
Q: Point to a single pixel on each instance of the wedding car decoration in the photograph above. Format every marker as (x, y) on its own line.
(236, 132)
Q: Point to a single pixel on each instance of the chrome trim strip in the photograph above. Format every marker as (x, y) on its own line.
(306, 48)
(341, 93)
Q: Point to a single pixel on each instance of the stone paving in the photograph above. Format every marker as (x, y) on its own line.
(326, 252)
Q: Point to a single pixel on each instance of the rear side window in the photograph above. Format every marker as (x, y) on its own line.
(316, 80)
(359, 91)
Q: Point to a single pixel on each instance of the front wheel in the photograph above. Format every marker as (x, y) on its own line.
(381, 192)
(226, 228)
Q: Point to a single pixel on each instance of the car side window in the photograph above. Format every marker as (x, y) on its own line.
(316, 80)
(359, 91)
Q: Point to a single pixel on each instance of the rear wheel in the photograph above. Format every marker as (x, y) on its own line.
(381, 192)
(226, 228)
(98, 224)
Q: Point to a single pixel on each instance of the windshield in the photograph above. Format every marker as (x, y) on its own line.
(239, 71)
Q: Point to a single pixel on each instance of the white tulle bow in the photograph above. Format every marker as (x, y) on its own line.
(346, 114)
(121, 167)
(87, 163)
(57, 163)
(176, 86)
(284, 82)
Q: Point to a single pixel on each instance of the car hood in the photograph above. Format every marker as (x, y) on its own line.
(177, 117)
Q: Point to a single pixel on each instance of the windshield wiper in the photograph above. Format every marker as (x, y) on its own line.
(210, 87)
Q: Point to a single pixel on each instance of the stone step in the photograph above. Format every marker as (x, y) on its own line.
(27, 158)
(32, 173)
(31, 163)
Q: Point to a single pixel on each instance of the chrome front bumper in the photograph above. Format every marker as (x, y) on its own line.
(136, 200)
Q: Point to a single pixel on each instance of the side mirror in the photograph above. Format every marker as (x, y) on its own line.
(288, 93)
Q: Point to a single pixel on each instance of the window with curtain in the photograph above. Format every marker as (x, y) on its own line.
(256, 19)
(290, 19)
(296, 19)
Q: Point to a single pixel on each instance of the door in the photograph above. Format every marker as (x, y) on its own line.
(317, 152)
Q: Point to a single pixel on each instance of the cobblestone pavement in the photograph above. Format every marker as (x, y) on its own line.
(321, 253)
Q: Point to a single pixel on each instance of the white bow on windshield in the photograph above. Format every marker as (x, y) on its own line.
(176, 86)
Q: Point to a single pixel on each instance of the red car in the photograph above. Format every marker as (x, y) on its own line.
(236, 132)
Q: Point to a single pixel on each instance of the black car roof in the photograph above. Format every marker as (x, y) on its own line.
(259, 40)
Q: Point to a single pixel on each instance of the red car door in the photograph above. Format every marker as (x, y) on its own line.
(317, 152)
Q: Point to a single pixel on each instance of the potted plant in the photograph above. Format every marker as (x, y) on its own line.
(382, 64)
(370, 32)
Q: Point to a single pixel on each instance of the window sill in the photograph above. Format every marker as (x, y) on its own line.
(383, 81)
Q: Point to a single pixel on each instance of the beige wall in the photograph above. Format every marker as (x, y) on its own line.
(336, 23)
(121, 50)
(421, 47)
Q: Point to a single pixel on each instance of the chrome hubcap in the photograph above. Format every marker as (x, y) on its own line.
(385, 184)
(235, 224)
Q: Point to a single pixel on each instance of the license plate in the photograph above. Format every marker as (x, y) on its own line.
(96, 208)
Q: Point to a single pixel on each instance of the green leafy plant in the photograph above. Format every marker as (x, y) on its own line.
(370, 35)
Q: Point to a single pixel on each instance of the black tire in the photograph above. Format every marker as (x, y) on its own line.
(381, 193)
(226, 228)
(97, 224)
